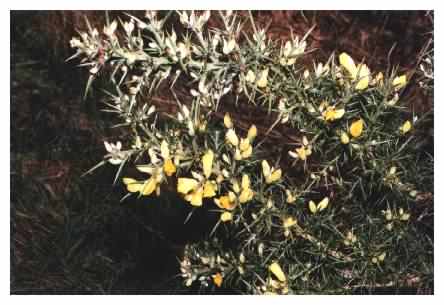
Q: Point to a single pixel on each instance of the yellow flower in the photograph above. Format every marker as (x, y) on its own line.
(168, 167)
(263, 79)
(290, 197)
(331, 114)
(360, 73)
(195, 197)
(196, 194)
(144, 188)
(244, 144)
(227, 121)
(225, 202)
(405, 127)
(348, 63)
(195, 190)
(231, 137)
(226, 216)
(356, 128)
(185, 185)
(363, 77)
(302, 152)
(277, 271)
(210, 188)
(246, 192)
(271, 175)
(289, 222)
(147, 187)
(164, 150)
(319, 207)
(207, 163)
(344, 138)
(399, 81)
(218, 279)
(247, 153)
(252, 132)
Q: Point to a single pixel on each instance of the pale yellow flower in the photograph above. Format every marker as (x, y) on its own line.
(360, 73)
(227, 121)
(271, 175)
(195, 190)
(356, 128)
(276, 269)
(252, 132)
(226, 216)
(323, 204)
(344, 138)
(231, 137)
(207, 163)
(405, 127)
(399, 81)
(331, 113)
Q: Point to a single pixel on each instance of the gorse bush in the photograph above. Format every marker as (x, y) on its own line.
(316, 197)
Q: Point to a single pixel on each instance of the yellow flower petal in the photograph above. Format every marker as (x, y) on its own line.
(331, 114)
(231, 137)
(164, 151)
(247, 153)
(217, 279)
(265, 168)
(246, 195)
(209, 189)
(244, 144)
(363, 77)
(399, 81)
(356, 128)
(406, 127)
(348, 63)
(338, 114)
(277, 271)
(245, 181)
(207, 163)
(312, 207)
(149, 186)
(323, 204)
(185, 185)
(225, 202)
(252, 132)
(129, 181)
(344, 138)
(195, 198)
(289, 222)
(301, 153)
(169, 167)
(227, 121)
(275, 176)
(226, 216)
(132, 185)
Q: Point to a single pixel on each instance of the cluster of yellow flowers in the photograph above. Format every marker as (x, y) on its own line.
(242, 148)
(157, 169)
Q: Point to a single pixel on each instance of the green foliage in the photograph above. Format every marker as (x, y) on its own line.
(329, 205)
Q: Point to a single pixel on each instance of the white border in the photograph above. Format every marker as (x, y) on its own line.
(212, 4)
